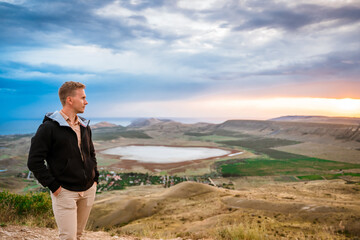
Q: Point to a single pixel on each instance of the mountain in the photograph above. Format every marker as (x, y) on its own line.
(318, 119)
(143, 122)
(103, 125)
(295, 130)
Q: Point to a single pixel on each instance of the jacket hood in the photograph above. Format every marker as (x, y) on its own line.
(56, 116)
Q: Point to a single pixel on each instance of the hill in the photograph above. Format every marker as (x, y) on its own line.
(318, 119)
(103, 125)
(302, 131)
(190, 210)
(142, 122)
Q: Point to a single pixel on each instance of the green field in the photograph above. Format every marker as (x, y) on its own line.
(310, 177)
(264, 145)
(219, 132)
(270, 162)
(269, 167)
(218, 136)
(327, 176)
(213, 138)
(251, 143)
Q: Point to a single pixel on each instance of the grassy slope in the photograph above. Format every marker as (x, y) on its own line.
(197, 211)
(105, 134)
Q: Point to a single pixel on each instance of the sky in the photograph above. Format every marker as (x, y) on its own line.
(187, 58)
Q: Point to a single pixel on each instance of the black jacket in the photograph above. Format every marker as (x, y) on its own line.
(56, 143)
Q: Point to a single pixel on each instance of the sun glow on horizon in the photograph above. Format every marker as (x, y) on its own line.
(348, 105)
(238, 108)
(267, 107)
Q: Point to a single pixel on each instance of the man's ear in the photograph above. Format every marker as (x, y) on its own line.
(69, 100)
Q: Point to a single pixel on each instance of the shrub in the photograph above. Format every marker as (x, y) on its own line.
(32, 209)
(240, 231)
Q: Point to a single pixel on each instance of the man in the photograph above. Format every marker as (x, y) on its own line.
(64, 141)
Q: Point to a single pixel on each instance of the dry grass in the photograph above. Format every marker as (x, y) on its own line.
(240, 231)
(315, 210)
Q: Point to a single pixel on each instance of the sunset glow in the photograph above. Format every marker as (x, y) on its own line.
(272, 107)
(348, 106)
(262, 109)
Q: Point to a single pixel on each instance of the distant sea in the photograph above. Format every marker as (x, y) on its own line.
(29, 126)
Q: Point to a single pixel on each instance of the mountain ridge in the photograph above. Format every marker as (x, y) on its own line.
(317, 119)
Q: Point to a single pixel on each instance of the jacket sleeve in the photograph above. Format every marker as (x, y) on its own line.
(93, 156)
(39, 149)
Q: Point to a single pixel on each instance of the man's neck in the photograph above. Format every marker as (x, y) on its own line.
(72, 115)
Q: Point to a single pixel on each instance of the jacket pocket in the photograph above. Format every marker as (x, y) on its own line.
(59, 170)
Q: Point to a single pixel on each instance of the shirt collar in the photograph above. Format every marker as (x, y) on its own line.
(68, 119)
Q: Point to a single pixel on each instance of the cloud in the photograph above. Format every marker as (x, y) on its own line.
(51, 22)
(40, 73)
(86, 58)
(143, 50)
(292, 17)
(182, 32)
(200, 5)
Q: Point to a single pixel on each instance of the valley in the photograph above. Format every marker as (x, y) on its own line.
(277, 180)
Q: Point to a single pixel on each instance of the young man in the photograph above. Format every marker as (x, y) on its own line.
(64, 141)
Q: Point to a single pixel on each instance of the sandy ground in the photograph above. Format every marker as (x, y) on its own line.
(24, 232)
(30, 233)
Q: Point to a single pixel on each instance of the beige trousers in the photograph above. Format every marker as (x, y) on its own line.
(71, 211)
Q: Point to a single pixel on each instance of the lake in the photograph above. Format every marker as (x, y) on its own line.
(163, 154)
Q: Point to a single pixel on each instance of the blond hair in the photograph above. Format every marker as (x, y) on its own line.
(67, 89)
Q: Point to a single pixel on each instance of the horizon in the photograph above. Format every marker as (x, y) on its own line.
(195, 59)
(29, 126)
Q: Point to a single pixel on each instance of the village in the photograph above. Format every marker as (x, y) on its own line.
(111, 180)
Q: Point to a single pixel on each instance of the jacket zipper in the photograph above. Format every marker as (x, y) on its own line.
(80, 151)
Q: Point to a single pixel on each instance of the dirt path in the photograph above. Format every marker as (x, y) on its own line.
(30, 233)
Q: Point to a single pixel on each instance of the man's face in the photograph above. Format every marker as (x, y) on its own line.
(78, 100)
